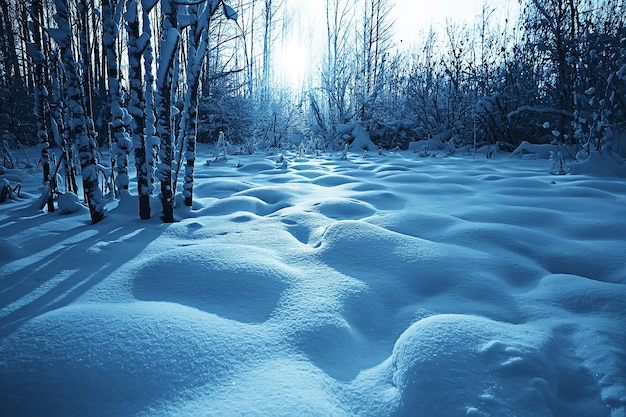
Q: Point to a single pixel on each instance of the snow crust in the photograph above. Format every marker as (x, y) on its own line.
(378, 286)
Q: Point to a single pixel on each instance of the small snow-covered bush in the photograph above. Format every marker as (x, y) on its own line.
(68, 203)
(528, 150)
(558, 166)
(353, 135)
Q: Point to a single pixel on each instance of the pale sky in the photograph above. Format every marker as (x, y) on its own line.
(412, 17)
(415, 15)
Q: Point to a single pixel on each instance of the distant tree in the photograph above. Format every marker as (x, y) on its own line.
(423, 87)
(439, 87)
(82, 23)
(270, 11)
(356, 71)
(600, 82)
(491, 92)
(578, 53)
(14, 76)
(37, 57)
(247, 23)
(551, 26)
(374, 49)
(11, 74)
(337, 69)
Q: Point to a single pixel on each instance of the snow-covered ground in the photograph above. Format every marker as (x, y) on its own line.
(386, 286)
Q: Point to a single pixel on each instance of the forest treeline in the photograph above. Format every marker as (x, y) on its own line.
(150, 78)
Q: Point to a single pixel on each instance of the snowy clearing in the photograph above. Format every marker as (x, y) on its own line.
(386, 286)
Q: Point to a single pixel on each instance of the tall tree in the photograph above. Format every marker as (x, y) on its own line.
(83, 24)
(168, 50)
(197, 37)
(152, 141)
(268, 13)
(136, 105)
(112, 11)
(39, 92)
(196, 50)
(77, 118)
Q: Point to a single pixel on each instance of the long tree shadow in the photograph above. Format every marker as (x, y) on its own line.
(52, 271)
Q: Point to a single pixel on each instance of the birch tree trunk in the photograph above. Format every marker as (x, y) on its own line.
(168, 49)
(119, 116)
(197, 46)
(36, 55)
(78, 128)
(136, 106)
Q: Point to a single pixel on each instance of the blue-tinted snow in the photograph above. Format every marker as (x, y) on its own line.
(386, 286)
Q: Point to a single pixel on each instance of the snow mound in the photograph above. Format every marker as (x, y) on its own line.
(362, 139)
(270, 195)
(600, 164)
(258, 167)
(306, 392)
(382, 200)
(114, 359)
(215, 280)
(576, 294)
(334, 180)
(68, 203)
(241, 203)
(453, 365)
(408, 277)
(220, 187)
(343, 208)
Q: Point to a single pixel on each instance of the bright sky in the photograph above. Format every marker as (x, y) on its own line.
(411, 18)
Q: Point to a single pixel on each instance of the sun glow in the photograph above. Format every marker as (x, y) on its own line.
(295, 60)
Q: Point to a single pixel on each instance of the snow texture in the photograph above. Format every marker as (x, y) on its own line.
(384, 286)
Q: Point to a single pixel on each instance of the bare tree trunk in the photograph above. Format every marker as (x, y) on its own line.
(79, 130)
(196, 53)
(84, 49)
(11, 62)
(152, 140)
(267, 40)
(168, 49)
(112, 11)
(36, 55)
(136, 106)
(197, 43)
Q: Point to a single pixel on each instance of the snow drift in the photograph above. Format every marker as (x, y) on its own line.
(384, 286)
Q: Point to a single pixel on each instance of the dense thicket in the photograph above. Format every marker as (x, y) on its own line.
(152, 77)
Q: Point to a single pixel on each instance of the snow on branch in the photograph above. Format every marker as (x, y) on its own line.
(535, 109)
(148, 4)
(229, 12)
